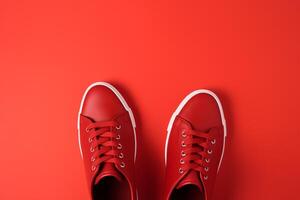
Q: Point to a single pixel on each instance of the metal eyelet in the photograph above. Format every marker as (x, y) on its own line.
(92, 149)
(213, 141)
(183, 134)
(209, 151)
(119, 146)
(118, 137)
(122, 164)
(181, 171)
(121, 155)
(181, 161)
(205, 177)
(93, 158)
(87, 130)
(93, 168)
(206, 169)
(90, 140)
(118, 127)
(183, 144)
(207, 160)
(183, 154)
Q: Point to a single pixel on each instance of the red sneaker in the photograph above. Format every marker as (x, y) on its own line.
(107, 141)
(194, 147)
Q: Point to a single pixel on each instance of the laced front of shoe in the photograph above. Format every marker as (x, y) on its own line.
(105, 146)
(196, 151)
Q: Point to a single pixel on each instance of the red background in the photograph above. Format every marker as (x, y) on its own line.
(155, 52)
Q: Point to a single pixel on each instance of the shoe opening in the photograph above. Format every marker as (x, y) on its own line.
(109, 188)
(187, 192)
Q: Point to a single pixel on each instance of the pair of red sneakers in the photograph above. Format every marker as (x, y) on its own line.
(107, 139)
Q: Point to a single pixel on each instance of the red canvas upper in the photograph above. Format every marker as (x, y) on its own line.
(107, 142)
(194, 148)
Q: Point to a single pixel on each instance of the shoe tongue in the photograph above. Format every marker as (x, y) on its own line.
(191, 178)
(108, 170)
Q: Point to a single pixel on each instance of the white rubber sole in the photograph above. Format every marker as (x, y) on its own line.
(124, 103)
(179, 108)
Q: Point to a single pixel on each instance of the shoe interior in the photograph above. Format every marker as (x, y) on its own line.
(109, 188)
(188, 192)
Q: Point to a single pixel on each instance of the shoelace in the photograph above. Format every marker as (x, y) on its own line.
(103, 143)
(196, 152)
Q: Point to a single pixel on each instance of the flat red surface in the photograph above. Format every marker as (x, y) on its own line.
(155, 52)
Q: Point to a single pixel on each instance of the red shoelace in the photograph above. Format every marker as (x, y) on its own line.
(196, 152)
(103, 143)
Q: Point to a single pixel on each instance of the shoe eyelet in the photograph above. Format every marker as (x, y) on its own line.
(209, 151)
(205, 177)
(92, 149)
(213, 141)
(121, 155)
(118, 127)
(87, 130)
(118, 137)
(206, 169)
(122, 164)
(183, 134)
(90, 140)
(119, 146)
(181, 171)
(183, 154)
(93, 168)
(207, 160)
(183, 144)
(181, 161)
(93, 158)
